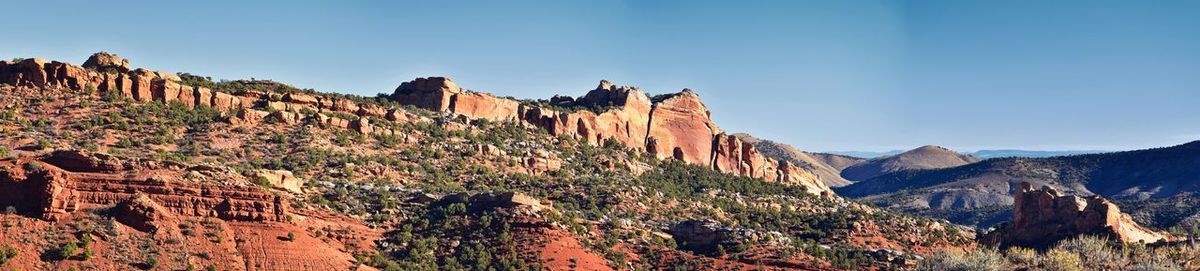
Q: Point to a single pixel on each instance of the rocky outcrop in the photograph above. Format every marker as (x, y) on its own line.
(104, 72)
(280, 179)
(1042, 217)
(60, 183)
(104, 60)
(676, 126)
(709, 237)
(433, 93)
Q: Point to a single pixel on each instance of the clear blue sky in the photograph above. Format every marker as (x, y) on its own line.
(820, 75)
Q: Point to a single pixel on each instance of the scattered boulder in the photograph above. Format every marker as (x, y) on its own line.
(494, 200)
(704, 236)
(280, 179)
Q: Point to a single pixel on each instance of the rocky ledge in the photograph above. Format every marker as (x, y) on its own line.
(60, 183)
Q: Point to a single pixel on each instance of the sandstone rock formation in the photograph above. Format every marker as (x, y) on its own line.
(681, 127)
(1042, 217)
(433, 93)
(676, 126)
(827, 167)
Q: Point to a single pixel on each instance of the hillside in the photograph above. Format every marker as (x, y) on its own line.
(827, 167)
(1144, 182)
(107, 167)
(925, 157)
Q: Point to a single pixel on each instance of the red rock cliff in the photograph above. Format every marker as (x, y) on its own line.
(676, 126)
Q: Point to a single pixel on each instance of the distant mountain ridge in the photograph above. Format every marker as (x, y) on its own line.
(985, 154)
(836, 170)
(924, 157)
(866, 154)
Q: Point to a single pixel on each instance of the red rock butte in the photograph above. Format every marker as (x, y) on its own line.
(1042, 217)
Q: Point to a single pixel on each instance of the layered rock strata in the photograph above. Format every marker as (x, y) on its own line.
(63, 182)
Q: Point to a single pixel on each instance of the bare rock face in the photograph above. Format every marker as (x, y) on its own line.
(104, 60)
(1042, 217)
(433, 93)
(483, 106)
(680, 128)
(625, 118)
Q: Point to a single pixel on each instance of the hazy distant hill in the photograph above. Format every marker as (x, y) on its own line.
(985, 154)
(866, 154)
(925, 157)
(1154, 184)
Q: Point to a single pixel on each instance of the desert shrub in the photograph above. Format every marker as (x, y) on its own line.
(982, 259)
(1061, 260)
(68, 250)
(9, 252)
(1096, 253)
(1022, 257)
